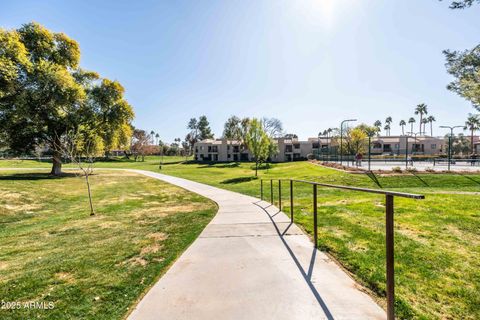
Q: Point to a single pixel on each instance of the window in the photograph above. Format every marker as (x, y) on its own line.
(377, 145)
(228, 147)
(434, 146)
(288, 148)
(296, 145)
(397, 146)
(201, 147)
(315, 145)
(228, 156)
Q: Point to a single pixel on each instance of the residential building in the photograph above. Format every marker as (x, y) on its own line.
(292, 149)
(419, 145)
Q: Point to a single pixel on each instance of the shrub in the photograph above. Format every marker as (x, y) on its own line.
(397, 169)
(428, 169)
(310, 156)
(412, 169)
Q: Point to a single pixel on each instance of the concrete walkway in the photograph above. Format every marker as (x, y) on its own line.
(251, 263)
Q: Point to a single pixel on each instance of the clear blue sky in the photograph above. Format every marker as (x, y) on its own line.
(310, 63)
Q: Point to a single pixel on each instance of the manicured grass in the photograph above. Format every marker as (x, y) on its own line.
(437, 240)
(96, 267)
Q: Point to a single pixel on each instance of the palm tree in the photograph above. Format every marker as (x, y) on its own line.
(421, 109)
(378, 125)
(152, 135)
(403, 124)
(472, 124)
(157, 136)
(424, 123)
(387, 129)
(411, 121)
(430, 120)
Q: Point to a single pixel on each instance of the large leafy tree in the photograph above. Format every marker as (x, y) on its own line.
(465, 67)
(44, 94)
(205, 132)
(462, 4)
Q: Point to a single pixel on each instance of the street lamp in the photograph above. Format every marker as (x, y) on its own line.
(450, 142)
(341, 138)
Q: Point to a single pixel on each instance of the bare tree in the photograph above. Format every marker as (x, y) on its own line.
(81, 150)
(273, 127)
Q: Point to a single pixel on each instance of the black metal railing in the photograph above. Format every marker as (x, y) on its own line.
(389, 223)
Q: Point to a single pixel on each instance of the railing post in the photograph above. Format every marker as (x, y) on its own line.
(261, 189)
(390, 257)
(291, 201)
(271, 191)
(315, 236)
(280, 194)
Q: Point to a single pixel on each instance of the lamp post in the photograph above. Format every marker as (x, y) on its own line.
(341, 138)
(414, 134)
(450, 142)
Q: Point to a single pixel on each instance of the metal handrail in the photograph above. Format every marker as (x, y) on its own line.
(389, 227)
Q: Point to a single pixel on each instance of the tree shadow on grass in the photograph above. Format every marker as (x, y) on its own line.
(469, 178)
(374, 178)
(238, 180)
(421, 180)
(223, 165)
(34, 176)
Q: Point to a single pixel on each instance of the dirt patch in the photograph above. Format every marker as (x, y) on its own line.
(158, 236)
(153, 248)
(136, 261)
(65, 277)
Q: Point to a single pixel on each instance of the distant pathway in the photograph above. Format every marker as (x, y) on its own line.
(250, 263)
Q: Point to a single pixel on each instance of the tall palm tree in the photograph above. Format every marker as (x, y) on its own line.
(152, 135)
(388, 122)
(430, 120)
(411, 121)
(424, 123)
(378, 125)
(403, 124)
(387, 129)
(157, 136)
(421, 109)
(472, 124)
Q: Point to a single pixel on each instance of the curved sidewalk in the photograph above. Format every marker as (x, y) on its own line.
(251, 263)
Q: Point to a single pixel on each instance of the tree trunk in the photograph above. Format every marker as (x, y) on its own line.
(92, 212)
(256, 168)
(421, 118)
(57, 164)
(471, 142)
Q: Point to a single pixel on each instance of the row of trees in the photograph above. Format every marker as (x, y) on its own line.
(421, 110)
(255, 134)
(44, 95)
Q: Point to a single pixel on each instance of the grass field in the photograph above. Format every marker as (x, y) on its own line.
(437, 239)
(96, 267)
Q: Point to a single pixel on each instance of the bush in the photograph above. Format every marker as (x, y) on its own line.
(310, 156)
(412, 170)
(428, 169)
(397, 169)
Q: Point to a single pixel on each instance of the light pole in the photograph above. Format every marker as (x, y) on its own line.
(414, 140)
(450, 142)
(341, 137)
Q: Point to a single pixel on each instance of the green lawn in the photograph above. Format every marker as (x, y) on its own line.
(437, 239)
(96, 267)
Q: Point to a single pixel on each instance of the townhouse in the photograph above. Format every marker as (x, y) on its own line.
(292, 149)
